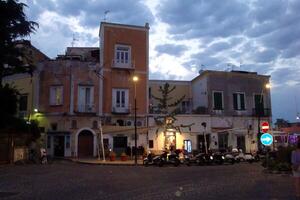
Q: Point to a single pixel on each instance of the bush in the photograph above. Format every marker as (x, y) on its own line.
(280, 160)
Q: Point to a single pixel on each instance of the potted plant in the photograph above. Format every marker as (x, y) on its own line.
(112, 156)
(123, 156)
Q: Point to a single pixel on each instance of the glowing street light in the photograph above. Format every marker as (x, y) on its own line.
(135, 80)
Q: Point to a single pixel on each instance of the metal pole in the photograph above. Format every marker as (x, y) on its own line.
(101, 137)
(135, 131)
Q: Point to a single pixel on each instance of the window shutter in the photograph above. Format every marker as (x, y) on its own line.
(235, 106)
(242, 99)
(52, 96)
(218, 101)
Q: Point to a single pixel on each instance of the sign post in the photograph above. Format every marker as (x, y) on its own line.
(265, 127)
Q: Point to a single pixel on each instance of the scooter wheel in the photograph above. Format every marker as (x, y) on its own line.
(176, 163)
(160, 164)
(146, 164)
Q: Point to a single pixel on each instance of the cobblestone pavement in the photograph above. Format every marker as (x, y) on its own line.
(66, 180)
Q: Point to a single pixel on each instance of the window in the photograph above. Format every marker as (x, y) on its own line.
(74, 124)
(56, 95)
(123, 56)
(185, 106)
(86, 99)
(218, 100)
(120, 100)
(23, 103)
(95, 124)
(48, 142)
(150, 95)
(223, 140)
(187, 145)
(151, 144)
(67, 142)
(53, 126)
(239, 101)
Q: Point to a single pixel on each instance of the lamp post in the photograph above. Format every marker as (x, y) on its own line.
(135, 80)
(204, 135)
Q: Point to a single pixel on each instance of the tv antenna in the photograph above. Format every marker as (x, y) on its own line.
(105, 15)
(74, 40)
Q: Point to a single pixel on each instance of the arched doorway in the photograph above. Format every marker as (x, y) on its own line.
(85, 143)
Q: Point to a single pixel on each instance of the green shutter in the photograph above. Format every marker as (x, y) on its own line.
(235, 106)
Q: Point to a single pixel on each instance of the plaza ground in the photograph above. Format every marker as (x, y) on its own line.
(68, 180)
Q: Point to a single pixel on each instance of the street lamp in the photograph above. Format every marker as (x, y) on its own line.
(135, 80)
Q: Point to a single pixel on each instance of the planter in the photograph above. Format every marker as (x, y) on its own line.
(123, 157)
(112, 158)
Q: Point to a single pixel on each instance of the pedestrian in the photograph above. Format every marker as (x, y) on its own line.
(296, 169)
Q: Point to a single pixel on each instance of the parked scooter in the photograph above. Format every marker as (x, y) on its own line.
(169, 158)
(151, 159)
(218, 158)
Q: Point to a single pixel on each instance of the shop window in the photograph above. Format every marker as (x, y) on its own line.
(151, 144)
(223, 140)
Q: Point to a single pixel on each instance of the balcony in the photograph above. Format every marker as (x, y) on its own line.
(121, 65)
(86, 108)
(261, 112)
(120, 110)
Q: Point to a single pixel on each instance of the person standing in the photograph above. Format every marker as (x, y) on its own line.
(296, 169)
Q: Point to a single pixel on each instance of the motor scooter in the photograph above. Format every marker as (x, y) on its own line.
(151, 159)
(169, 158)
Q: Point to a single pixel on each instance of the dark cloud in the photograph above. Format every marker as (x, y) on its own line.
(194, 19)
(171, 49)
(265, 56)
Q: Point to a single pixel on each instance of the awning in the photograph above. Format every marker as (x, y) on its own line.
(123, 129)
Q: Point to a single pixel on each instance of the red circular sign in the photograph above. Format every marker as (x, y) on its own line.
(265, 127)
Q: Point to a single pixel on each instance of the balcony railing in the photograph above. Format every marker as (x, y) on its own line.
(118, 110)
(120, 65)
(261, 112)
(86, 108)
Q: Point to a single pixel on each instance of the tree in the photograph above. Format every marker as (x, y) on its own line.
(168, 110)
(13, 26)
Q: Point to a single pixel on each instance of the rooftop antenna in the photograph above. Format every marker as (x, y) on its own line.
(73, 40)
(202, 68)
(105, 15)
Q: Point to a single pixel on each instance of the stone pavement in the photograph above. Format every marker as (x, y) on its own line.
(68, 180)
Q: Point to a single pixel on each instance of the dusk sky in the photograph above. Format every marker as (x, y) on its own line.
(185, 36)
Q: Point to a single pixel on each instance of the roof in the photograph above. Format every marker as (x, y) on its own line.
(145, 28)
(208, 72)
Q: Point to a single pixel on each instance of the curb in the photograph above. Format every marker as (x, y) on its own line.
(108, 164)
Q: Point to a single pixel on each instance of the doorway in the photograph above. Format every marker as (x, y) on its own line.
(59, 146)
(85, 144)
(120, 144)
(240, 142)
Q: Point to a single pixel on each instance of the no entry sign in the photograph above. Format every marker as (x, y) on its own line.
(265, 127)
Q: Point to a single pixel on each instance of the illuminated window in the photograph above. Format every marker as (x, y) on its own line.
(188, 145)
(56, 95)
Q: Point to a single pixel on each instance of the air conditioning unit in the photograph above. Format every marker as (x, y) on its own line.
(139, 123)
(129, 123)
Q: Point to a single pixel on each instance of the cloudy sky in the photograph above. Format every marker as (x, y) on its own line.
(189, 35)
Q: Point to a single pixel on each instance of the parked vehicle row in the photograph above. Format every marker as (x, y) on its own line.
(217, 158)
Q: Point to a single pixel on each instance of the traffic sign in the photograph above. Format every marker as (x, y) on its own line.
(265, 127)
(266, 139)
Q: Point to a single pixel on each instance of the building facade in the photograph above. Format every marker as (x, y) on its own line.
(232, 105)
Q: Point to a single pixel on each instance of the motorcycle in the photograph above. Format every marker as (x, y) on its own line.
(218, 158)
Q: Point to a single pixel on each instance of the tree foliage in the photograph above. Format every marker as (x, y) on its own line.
(13, 26)
(168, 109)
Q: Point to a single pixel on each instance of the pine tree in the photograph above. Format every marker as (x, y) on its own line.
(13, 27)
(167, 109)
